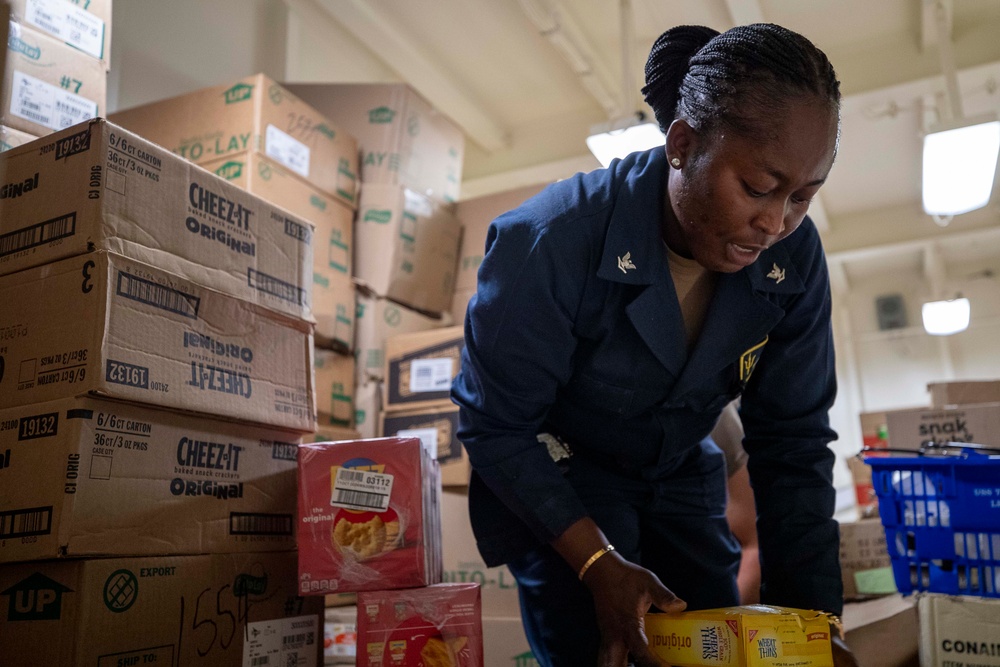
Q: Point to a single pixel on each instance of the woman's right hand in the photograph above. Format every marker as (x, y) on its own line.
(623, 592)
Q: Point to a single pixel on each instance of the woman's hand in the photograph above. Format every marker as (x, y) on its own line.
(623, 592)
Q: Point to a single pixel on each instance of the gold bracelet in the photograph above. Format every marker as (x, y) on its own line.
(593, 559)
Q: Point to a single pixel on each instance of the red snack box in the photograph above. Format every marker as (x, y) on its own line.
(369, 516)
(437, 626)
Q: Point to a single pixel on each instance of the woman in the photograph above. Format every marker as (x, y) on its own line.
(618, 312)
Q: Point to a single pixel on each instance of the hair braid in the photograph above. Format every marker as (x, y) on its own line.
(737, 77)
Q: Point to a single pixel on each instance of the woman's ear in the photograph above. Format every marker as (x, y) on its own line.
(681, 142)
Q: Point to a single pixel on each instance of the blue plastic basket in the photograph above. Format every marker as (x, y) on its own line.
(942, 521)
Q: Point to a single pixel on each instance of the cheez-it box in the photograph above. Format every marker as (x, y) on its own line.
(437, 626)
(369, 516)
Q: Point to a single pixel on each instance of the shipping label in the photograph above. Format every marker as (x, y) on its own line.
(287, 150)
(361, 490)
(68, 23)
(430, 375)
(47, 105)
(281, 642)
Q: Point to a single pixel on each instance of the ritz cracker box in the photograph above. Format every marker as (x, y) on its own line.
(96, 186)
(435, 626)
(368, 516)
(141, 334)
(85, 477)
(747, 636)
(213, 610)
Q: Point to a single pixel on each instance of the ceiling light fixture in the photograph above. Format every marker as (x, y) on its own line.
(621, 136)
(944, 318)
(960, 154)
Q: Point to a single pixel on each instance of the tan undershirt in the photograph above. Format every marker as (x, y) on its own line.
(695, 287)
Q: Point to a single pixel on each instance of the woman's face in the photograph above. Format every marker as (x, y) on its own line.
(736, 195)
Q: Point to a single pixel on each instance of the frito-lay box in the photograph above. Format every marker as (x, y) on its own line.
(747, 636)
(105, 324)
(369, 516)
(92, 477)
(436, 626)
(252, 114)
(219, 610)
(96, 186)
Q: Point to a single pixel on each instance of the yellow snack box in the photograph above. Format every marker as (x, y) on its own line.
(748, 636)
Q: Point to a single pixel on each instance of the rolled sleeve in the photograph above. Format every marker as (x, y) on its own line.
(519, 346)
(785, 414)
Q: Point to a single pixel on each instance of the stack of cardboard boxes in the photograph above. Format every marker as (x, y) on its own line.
(156, 378)
(406, 234)
(259, 136)
(58, 54)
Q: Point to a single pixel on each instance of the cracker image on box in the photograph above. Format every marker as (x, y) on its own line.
(369, 516)
(436, 626)
(747, 636)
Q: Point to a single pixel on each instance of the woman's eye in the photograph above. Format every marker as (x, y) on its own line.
(801, 200)
(752, 192)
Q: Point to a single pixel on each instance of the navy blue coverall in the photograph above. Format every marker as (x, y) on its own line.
(576, 331)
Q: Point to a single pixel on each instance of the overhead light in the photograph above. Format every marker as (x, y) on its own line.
(960, 162)
(944, 318)
(619, 138)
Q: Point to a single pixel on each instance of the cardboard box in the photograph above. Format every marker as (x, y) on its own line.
(861, 475)
(221, 610)
(340, 635)
(82, 24)
(476, 215)
(882, 631)
(368, 409)
(944, 394)
(437, 428)
(460, 304)
(434, 626)
(334, 388)
(11, 138)
(96, 186)
(252, 114)
(88, 477)
(369, 516)
(335, 305)
(463, 564)
(742, 636)
(420, 367)
(403, 139)
(505, 644)
(909, 429)
(47, 86)
(332, 434)
(377, 320)
(105, 324)
(406, 247)
(865, 565)
(333, 302)
(958, 631)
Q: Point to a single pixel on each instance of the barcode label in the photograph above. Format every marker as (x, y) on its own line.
(361, 490)
(47, 105)
(68, 23)
(428, 438)
(287, 150)
(247, 523)
(281, 642)
(25, 522)
(36, 235)
(156, 295)
(430, 375)
(275, 287)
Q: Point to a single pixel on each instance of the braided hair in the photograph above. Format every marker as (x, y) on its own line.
(737, 78)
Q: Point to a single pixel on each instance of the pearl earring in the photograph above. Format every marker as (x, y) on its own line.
(675, 162)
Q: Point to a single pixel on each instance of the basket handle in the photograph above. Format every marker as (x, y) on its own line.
(929, 447)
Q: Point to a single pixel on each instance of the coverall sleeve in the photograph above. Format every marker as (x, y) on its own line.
(785, 414)
(519, 345)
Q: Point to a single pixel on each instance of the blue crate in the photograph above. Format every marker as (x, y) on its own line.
(942, 521)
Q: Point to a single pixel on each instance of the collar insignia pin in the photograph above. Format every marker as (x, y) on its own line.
(777, 274)
(625, 263)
